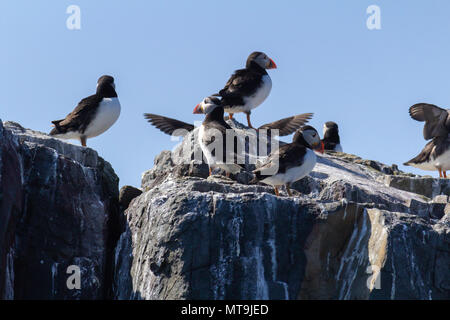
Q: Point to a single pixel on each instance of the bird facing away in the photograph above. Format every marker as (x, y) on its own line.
(436, 154)
(217, 141)
(331, 138)
(292, 161)
(92, 116)
(249, 87)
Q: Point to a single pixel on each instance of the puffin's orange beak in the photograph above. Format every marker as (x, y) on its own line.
(320, 147)
(272, 64)
(198, 109)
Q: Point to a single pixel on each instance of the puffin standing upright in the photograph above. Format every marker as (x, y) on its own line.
(331, 138)
(436, 154)
(213, 139)
(92, 116)
(292, 161)
(248, 88)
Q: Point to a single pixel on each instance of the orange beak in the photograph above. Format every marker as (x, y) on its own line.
(198, 109)
(272, 64)
(320, 147)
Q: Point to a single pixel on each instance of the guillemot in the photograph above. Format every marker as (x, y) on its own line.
(92, 116)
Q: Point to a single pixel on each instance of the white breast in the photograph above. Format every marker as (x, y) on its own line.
(211, 160)
(442, 162)
(208, 155)
(260, 95)
(256, 99)
(296, 173)
(107, 114)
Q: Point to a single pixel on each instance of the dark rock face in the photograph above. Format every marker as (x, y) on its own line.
(354, 229)
(346, 234)
(58, 208)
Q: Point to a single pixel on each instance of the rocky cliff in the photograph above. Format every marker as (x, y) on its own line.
(355, 229)
(58, 208)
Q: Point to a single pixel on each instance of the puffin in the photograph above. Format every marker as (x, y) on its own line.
(170, 126)
(291, 162)
(331, 139)
(436, 154)
(247, 88)
(213, 138)
(92, 116)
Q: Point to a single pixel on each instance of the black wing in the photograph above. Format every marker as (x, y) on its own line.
(289, 156)
(424, 155)
(168, 125)
(292, 156)
(437, 120)
(288, 125)
(79, 118)
(243, 82)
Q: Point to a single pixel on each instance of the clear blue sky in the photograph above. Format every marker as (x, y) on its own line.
(167, 55)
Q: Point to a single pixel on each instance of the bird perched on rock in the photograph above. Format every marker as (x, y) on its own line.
(331, 138)
(217, 140)
(292, 161)
(92, 116)
(248, 88)
(436, 154)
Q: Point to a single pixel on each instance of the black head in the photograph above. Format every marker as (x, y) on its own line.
(215, 113)
(309, 137)
(261, 60)
(106, 87)
(331, 124)
(331, 132)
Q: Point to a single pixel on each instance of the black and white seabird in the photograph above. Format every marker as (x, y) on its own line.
(217, 140)
(292, 161)
(248, 88)
(436, 154)
(285, 126)
(92, 116)
(331, 138)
